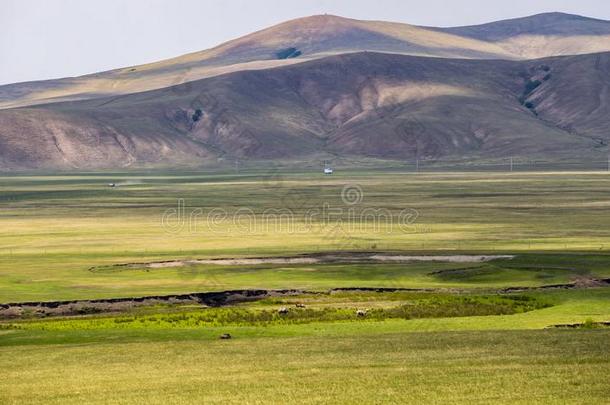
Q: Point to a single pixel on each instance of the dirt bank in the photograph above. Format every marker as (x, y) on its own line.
(221, 298)
(86, 307)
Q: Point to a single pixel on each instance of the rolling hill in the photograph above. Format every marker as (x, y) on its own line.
(316, 37)
(548, 34)
(367, 104)
(547, 24)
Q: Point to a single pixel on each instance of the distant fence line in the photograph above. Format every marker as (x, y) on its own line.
(422, 165)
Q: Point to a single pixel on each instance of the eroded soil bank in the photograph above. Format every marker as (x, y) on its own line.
(86, 307)
(222, 298)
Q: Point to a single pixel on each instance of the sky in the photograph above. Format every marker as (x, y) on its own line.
(44, 39)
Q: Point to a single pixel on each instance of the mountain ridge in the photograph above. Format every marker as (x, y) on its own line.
(312, 38)
(367, 104)
(553, 23)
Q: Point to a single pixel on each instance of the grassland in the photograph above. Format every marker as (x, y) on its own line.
(475, 367)
(465, 340)
(169, 358)
(55, 228)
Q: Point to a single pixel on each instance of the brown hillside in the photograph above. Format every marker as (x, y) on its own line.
(364, 104)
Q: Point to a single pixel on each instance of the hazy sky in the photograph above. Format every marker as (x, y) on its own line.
(42, 39)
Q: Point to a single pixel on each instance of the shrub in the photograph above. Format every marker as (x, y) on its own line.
(589, 324)
(197, 115)
(288, 53)
(531, 85)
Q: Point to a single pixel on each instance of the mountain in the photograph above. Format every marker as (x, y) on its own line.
(316, 37)
(547, 24)
(362, 104)
(541, 35)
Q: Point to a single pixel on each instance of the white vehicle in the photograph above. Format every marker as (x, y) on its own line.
(328, 170)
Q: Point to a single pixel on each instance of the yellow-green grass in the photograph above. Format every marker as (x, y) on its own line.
(56, 227)
(483, 359)
(372, 367)
(559, 307)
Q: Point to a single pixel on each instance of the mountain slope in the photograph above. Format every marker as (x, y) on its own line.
(315, 37)
(556, 24)
(310, 37)
(541, 35)
(361, 104)
(577, 95)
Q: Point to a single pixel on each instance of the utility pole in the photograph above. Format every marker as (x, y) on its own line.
(416, 155)
(511, 164)
(237, 166)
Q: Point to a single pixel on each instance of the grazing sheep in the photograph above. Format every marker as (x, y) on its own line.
(225, 336)
(361, 312)
(282, 310)
(300, 305)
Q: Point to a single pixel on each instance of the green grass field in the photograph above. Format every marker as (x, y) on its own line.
(57, 227)
(465, 340)
(343, 367)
